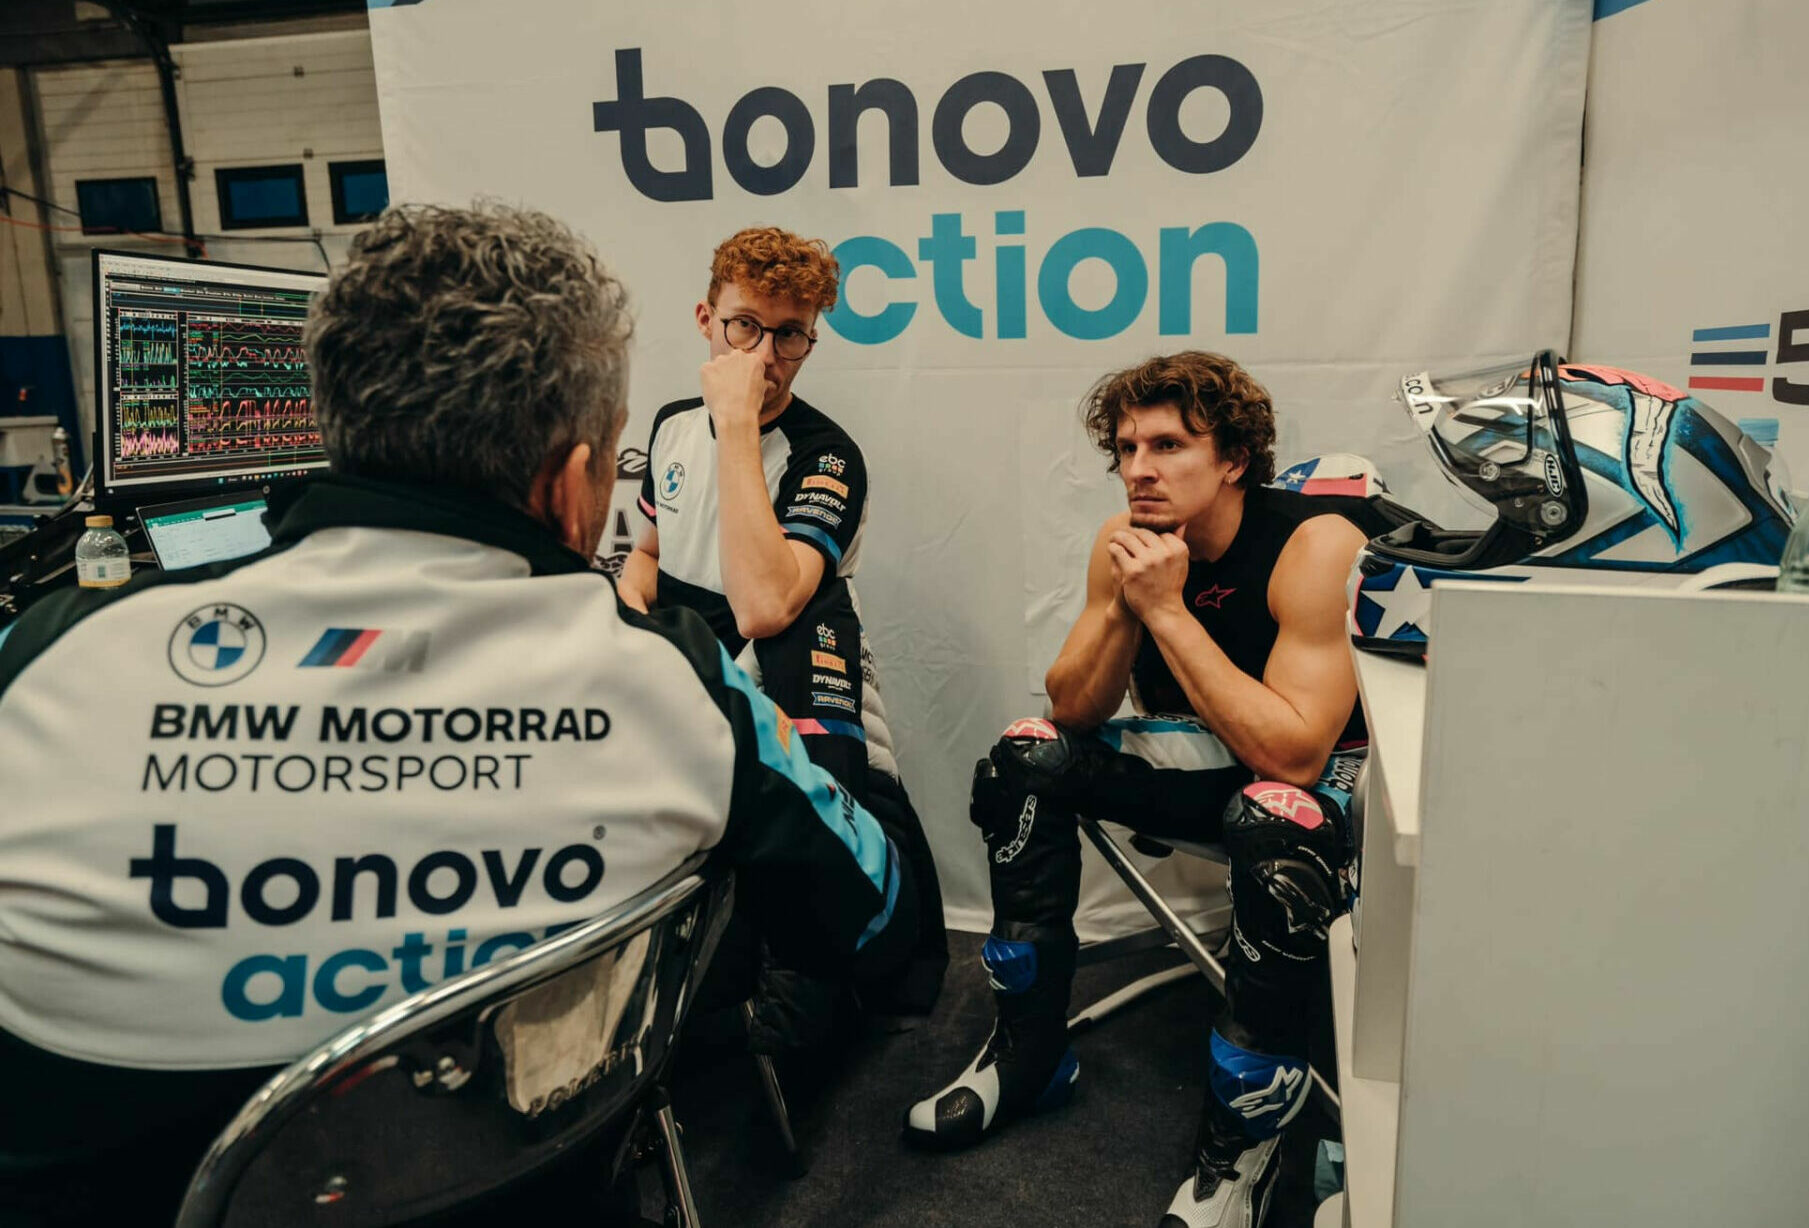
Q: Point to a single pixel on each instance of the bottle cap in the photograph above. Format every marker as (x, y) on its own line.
(100, 522)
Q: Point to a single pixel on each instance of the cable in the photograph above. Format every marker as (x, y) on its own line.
(154, 236)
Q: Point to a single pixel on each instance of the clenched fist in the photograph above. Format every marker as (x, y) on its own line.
(734, 388)
(1150, 568)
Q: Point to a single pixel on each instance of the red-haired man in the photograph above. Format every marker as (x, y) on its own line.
(756, 502)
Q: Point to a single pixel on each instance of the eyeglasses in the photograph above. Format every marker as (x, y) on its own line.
(789, 341)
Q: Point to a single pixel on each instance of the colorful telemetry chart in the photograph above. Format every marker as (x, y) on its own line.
(203, 382)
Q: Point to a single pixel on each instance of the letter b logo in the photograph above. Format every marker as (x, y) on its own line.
(632, 115)
(163, 868)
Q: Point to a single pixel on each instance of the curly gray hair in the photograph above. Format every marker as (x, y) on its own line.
(466, 347)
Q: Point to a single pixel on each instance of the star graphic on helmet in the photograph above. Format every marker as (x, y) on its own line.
(1405, 605)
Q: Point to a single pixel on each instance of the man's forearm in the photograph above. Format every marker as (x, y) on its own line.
(1257, 725)
(639, 582)
(1088, 680)
(758, 568)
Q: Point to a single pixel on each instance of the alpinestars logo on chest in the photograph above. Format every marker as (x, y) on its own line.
(1213, 596)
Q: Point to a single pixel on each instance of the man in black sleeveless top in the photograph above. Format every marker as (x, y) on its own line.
(1217, 603)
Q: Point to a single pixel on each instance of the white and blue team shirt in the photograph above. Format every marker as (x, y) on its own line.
(814, 472)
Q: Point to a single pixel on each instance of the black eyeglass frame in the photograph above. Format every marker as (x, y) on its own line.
(762, 332)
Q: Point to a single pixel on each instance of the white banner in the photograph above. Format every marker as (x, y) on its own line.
(1023, 196)
(1693, 263)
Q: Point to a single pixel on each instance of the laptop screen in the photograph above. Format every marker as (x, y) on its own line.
(210, 530)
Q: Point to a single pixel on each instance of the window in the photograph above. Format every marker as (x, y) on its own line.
(260, 196)
(360, 191)
(112, 206)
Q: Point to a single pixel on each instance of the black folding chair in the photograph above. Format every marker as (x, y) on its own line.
(481, 1080)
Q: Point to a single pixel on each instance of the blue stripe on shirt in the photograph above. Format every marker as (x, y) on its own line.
(812, 533)
(884, 916)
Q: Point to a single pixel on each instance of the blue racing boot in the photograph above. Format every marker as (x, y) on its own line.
(1024, 1067)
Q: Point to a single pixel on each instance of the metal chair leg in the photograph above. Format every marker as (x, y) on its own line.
(775, 1102)
(681, 1210)
(1186, 939)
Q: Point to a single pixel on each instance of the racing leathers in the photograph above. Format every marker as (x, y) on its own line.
(1166, 774)
(249, 803)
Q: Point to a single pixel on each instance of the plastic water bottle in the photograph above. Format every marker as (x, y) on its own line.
(100, 555)
(1793, 568)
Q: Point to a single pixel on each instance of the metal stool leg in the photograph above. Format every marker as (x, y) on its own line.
(681, 1204)
(775, 1102)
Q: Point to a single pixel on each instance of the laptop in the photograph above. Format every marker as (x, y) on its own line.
(212, 529)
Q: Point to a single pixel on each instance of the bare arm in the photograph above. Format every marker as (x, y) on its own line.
(767, 577)
(1285, 726)
(1088, 680)
(639, 580)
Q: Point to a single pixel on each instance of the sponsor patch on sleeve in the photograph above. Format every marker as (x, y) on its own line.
(819, 481)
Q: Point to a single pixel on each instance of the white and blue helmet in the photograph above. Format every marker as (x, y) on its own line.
(1593, 475)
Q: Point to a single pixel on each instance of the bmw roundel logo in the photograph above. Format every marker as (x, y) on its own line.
(673, 481)
(217, 644)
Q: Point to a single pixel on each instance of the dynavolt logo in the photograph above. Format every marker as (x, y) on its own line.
(217, 645)
(1091, 132)
(673, 480)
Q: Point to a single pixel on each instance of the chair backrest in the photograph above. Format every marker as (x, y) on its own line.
(472, 1083)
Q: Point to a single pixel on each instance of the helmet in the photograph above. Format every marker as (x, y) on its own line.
(1592, 475)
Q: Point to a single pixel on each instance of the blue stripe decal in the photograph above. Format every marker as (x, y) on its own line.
(846, 729)
(1608, 8)
(858, 831)
(1729, 358)
(329, 647)
(6, 631)
(1739, 332)
(793, 529)
(884, 916)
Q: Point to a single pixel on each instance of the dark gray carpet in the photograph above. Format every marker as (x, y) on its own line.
(1114, 1156)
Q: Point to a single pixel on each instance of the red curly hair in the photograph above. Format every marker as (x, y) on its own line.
(777, 264)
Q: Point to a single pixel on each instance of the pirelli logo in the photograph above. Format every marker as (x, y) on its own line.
(820, 481)
(828, 660)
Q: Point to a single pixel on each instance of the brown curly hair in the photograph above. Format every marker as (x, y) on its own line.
(778, 264)
(1215, 396)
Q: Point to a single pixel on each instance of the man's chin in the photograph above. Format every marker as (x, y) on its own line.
(1156, 523)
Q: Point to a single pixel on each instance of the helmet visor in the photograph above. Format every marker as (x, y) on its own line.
(1499, 435)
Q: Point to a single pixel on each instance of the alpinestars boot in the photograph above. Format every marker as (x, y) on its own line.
(1232, 1179)
(1252, 1097)
(1024, 1067)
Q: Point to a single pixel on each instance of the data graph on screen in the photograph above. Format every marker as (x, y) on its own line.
(204, 382)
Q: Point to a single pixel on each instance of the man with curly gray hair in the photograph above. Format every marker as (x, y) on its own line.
(482, 350)
(422, 709)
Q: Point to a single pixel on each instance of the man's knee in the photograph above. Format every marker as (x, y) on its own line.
(1288, 851)
(1034, 758)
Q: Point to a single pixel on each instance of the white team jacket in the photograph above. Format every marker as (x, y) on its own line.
(245, 805)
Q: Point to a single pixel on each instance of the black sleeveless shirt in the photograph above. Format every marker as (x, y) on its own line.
(1230, 596)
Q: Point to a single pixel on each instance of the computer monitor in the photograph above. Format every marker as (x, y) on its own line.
(211, 529)
(202, 382)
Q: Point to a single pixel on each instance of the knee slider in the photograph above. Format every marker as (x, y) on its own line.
(1281, 837)
(1010, 966)
(1265, 1091)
